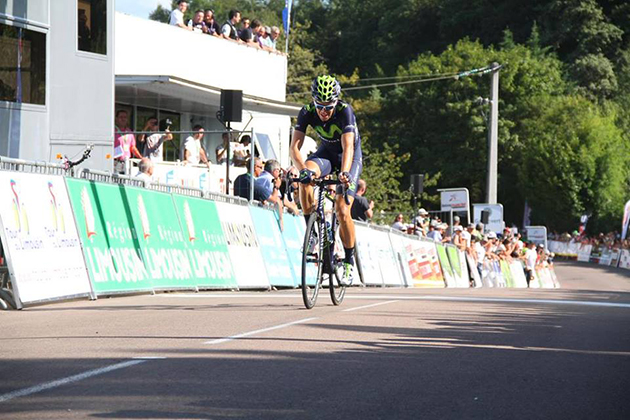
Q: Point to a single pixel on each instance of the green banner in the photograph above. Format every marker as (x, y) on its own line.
(210, 259)
(453, 257)
(449, 277)
(111, 245)
(507, 273)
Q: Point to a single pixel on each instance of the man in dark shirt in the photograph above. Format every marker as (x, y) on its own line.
(361, 207)
(243, 182)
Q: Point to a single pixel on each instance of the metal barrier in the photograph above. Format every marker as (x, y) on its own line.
(222, 198)
(108, 177)
(20, 165)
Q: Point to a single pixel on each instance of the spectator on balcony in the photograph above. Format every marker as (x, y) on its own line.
(196, 24)
(269, 182)
(265, 39)
(228, 30)
(242, 152)
(399, 223)
(361, 209)
(153, 144)
(212, 26)
(256, 31)
(145, 171)
(275, 33)
(193, 149)
(221, 150)
(245, 33)
(124, 143)
(177, 15)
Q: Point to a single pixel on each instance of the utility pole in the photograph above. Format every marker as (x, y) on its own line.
(493, 147)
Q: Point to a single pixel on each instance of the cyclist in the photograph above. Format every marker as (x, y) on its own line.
(340, 149)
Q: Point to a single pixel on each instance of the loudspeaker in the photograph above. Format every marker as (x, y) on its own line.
(417, 184)
(232, 105)
(485, 216)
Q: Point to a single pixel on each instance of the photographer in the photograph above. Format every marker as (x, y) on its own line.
(153, 144)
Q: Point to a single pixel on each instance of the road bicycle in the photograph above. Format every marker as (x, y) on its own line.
(322, 252)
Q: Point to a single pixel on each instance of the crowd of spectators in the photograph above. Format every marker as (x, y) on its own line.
(236, 28)
(473, 239)
(611, 239)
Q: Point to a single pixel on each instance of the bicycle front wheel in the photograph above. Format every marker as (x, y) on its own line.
(337, 290)
(312, 261)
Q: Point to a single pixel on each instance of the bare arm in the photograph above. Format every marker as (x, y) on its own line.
(347, 143)
(294, 150)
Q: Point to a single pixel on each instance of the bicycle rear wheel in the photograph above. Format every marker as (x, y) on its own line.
(312, 261)
(337, 290)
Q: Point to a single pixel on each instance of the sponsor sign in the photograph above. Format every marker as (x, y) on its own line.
(40, 238)
(537, 234)
(423, 262)
(293, 238)
(205, 241)
(625, 221)
(455, 199)
(397, 241)
(243, 246)
(518, 274)
(495, 216)
(624, 259)
(110, 240)
(272, 247)
(584, 252)
(369, 255)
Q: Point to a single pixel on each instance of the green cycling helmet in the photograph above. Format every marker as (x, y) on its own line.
(325, 89)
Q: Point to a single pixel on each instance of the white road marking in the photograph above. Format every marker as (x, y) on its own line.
(70, 379)
(369, 306)
(402, 297)
(250, 333)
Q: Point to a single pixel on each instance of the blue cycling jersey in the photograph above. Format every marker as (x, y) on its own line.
(329, 132)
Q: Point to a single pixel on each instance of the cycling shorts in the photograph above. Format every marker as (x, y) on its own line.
(329, 162)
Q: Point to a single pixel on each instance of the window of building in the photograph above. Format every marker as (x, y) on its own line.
(92, 32)
(22, 65)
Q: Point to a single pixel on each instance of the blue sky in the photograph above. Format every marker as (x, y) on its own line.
(140, 8)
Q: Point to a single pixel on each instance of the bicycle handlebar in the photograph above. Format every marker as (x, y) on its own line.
(318, 182)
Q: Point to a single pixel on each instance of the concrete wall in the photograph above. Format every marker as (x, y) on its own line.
(145, 47)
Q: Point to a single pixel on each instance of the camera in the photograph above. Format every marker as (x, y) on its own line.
(165, 124)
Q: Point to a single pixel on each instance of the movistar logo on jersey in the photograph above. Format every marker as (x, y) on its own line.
(330, 134)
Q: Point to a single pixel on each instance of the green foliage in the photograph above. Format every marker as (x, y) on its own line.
(575, 162)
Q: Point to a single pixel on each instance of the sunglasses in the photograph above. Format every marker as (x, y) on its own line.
(325, 107)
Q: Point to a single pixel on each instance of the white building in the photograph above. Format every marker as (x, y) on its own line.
(66, 66)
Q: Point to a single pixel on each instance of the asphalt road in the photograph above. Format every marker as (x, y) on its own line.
(383, 354)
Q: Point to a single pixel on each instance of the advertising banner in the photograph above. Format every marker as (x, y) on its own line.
(206, 244)
(40, 239)
(625, 221)
(387, 260)
(424, 263)
(367, 248)
(459, 270)
(272, 247)
(447, 270)
(614, 258)
(624, 259)
(507, 273)
(518, 274)
(243, 246)
(397, 241)
(109, 237)
(605, 256)
(293, 238)
(164, 249)
(488, 276)
(495, 216)
(584, 252)
(207, 179)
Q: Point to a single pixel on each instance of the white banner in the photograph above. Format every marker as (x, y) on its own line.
(40, 238)
(368, 250)
(518, 274)
(537, 234)
(243, 246)
(398, 243)
(212, 179)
